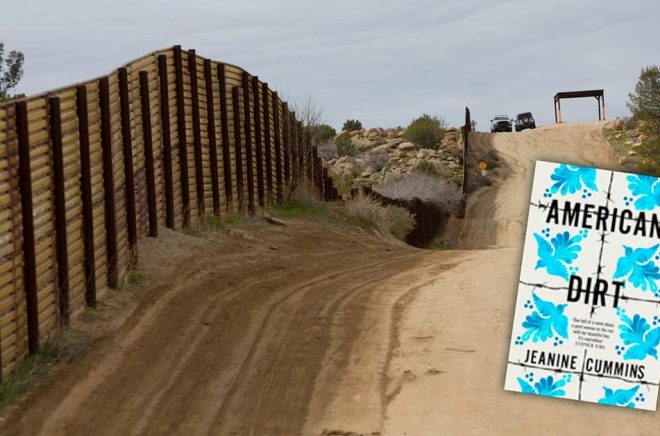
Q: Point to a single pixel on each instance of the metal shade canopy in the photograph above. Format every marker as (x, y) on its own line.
(599, 94)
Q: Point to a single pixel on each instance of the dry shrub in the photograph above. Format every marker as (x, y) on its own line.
(394, 220)
(376, 161)
(426, 187)
(304, 192)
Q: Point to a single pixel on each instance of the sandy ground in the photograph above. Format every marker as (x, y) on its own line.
(320, 328)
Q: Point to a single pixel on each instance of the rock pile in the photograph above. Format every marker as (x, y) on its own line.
(382, 153)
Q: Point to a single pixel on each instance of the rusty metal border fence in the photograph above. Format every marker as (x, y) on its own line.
(88, 170)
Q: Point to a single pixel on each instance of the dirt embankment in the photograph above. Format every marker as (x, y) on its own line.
(318, 328)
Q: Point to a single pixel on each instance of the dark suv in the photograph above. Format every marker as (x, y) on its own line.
(500, 123)
(525, 121)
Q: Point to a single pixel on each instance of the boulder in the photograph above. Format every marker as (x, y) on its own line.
(407, 146)
(615, 124)
(425, 153)
(361, 143)
(384, 148)
(442, 169)
(373, 134)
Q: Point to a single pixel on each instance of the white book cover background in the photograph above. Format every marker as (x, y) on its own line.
(589, 229)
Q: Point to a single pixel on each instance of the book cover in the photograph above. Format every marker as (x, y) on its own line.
(587, 316)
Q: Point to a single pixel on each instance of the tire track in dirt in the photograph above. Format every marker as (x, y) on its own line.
(228, 338)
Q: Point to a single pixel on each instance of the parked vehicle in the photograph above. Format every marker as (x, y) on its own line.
(501, 123)
(524, 121)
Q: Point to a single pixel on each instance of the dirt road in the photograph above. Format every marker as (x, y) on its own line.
(321, 328)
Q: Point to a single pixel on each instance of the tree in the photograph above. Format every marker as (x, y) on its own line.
(351, 125)
(322, 133)
(644, 104)
(344, 144)
(307, 110)
(645, 101)
(426, 131)
(11, 71)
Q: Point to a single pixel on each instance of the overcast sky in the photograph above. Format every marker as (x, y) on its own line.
(383, 62)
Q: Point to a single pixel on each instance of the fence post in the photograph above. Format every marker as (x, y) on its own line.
(61, 247)
(285, 147)
(278, 145)
(148, 153)
(256, 95)
(465, 131)
(86, 194)
(237, 144)
(247, 129)
(29, 256)
(166, 140)
(308, 154)
(213, 151)
(267, 141)
(108, 183)
(326, 185)
(181, 129)
(224, 126)
(317, 171)
(302, 151)
(197, 132)
(290, 147)
(129, 182)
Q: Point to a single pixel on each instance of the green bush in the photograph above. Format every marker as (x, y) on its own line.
(649, 152)
(426, 167)
(344, 145)
(322, 133)
(344, 183)
(426, 131)
(351, 125)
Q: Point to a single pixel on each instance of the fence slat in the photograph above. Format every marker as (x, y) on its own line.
(278, 147)
(256, 95)
(148, 153)
(238, 152)
(108, 183)
(213, 151)
(129, 176)
(224, 126)
(267, 142)
(86, 196)
(29, 256)
(247, 130)
(181, 129)
(197, 132)
(61, 248)
(166, 141)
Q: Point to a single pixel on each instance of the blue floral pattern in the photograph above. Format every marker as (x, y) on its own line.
(645, 191)
(639, 339)
(559, 252)
(622, 397)
(569, 179)
(638, 266)
(546, 322)
(546, 386)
